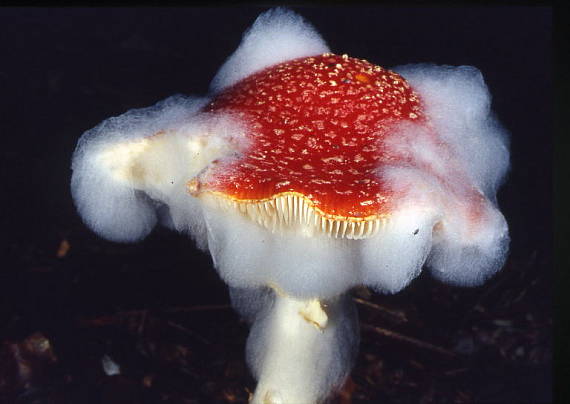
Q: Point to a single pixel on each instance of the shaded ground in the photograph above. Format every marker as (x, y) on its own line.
(72, 316)
(83, 320)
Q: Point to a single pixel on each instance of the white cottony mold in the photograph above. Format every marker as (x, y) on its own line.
(458, 102)
(107, 198)
(393, 258)
(135, 170)
(276, 36)
(468, 256)
(248, 255)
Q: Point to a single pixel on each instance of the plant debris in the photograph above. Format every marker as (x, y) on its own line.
(430, 344)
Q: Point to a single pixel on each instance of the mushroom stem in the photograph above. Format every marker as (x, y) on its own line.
(301, 349)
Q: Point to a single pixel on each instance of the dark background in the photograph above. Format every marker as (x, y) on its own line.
(157, 308)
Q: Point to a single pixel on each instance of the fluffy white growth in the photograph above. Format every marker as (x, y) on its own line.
(470, 238)
(458, 102)
(250, 301)
(294, 361)
(248, 255)
(111, 207)
(132, 166)
(467, 254)
(395, 256)
(276, 36)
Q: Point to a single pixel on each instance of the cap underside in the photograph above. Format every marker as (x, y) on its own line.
(292, 211)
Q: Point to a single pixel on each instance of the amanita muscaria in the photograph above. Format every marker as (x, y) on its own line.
(306, 173)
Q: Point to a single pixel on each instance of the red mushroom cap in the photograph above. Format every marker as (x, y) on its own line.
(316, 126)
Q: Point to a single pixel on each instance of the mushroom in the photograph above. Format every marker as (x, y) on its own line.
(306, 173)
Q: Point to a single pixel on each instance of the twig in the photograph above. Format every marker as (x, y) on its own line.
(396, 313)
(454, 372)
(188, 332)
(142, 322)
(392, 334)
(116, 317)
(211, 307)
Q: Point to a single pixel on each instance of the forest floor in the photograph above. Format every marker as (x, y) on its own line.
(87, 321)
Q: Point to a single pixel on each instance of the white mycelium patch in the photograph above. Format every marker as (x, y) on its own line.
(458, 102)
(276, 36)
(132, 169)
